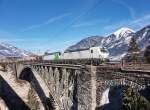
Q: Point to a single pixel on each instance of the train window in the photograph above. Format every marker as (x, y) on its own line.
(103, 50)
(91, 51)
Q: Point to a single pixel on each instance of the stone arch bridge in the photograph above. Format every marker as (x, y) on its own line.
(80, 87)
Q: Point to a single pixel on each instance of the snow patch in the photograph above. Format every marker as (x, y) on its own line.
(105, 97)
(9, 50)
(122, 32)
(118, 57)
(3, 105)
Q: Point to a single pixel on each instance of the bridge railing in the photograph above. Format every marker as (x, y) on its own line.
(136, 66)
(127, 66)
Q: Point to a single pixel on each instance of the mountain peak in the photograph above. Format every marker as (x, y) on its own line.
(122, 31)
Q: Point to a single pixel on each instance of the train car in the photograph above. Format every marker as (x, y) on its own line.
(93, 52)
(52, 56)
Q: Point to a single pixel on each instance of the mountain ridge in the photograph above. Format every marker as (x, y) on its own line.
(7, 50)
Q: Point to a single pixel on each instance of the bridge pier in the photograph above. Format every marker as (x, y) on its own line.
(93, 84)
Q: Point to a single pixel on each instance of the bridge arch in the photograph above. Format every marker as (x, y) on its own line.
(19, 68)
(110, 91)
(28, 74)
(111, 98)
(121, 82)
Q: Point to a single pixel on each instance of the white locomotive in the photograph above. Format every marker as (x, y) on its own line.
(91, 53)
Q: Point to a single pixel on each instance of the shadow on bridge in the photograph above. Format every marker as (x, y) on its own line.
(146, 92)
(29, 76)
(114, 97)
(12, 100)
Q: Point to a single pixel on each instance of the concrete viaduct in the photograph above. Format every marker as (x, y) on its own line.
(82, 87)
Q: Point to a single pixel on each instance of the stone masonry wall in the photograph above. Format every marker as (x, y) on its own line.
(84, 91)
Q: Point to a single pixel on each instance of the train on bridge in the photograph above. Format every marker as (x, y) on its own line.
(95, 55)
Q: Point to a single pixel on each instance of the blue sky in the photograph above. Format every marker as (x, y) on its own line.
(40, 25)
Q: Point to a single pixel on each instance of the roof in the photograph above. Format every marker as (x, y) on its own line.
(46, 53)
(75, 50)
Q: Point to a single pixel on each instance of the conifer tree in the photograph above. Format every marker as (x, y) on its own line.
(132, 100)
(147, 53)
(133, 46)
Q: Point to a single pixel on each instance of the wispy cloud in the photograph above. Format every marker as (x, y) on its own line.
(12, 40)
(130, 9)
(135, 23)
(90, 23)
(142, 19)
(49, 21)
(61, 46)
(6, 36)
(22, 40)
(116, 25)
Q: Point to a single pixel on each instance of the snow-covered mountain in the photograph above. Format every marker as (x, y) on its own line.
(143, 36)
(7, 50)
(117, 42)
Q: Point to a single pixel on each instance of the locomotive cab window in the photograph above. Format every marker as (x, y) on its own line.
(103, 50)
(91, 51)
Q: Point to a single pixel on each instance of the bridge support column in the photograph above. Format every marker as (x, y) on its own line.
(56, 72)
(84, 90)
(65, 89)
(93, 84)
